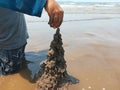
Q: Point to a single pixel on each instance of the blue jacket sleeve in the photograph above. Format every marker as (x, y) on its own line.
(30, 7)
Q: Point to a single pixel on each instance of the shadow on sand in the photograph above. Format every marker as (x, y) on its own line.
(31, 66)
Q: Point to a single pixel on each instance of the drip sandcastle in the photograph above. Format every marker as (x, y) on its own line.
(53, 73)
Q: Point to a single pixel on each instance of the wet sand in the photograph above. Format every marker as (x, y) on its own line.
(92, 52)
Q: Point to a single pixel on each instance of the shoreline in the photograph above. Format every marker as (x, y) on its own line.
(92, 52)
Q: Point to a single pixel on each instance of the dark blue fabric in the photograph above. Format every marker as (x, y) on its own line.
(31, 7)
(11, 60)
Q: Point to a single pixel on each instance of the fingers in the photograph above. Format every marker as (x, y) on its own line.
(60, 18)
(50, 19)
(56, 19)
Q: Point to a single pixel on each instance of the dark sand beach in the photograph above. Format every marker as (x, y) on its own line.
(92, 52)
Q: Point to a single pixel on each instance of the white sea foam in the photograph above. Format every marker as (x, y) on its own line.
(72, 9)
(76, 4)
(102, 8)
(105, 5)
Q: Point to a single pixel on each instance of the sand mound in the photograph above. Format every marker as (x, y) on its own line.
(53, 72)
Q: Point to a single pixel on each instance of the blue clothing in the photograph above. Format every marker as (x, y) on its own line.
(11, 60)
(13, 31)
(31, 7)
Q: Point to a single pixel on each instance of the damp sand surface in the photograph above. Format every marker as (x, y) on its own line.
(92, 52)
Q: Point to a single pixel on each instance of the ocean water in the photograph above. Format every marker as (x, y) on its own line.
(77, 6)
(78, 2)
(75, 10)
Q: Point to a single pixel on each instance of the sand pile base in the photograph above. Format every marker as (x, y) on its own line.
(53, 71)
